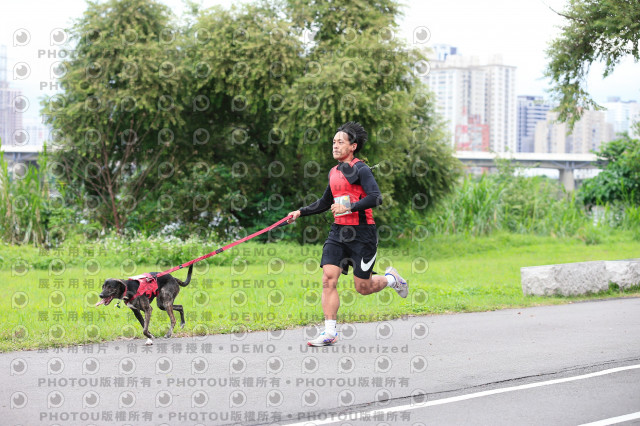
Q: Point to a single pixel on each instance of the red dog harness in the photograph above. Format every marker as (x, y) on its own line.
(148, 286)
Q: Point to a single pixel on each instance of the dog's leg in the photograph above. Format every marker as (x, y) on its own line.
(169, 308)
(138, 315)
(166, 306)
(166, 296)
(179, 309)
(146, 306)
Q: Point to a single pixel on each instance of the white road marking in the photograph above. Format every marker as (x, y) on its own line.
(614, 420)
(335, 418)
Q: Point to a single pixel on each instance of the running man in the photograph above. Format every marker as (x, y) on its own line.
(353, 240)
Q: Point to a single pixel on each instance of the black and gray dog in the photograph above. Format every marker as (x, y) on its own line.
(168, 289)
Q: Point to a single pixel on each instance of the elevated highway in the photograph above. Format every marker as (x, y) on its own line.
(566, 164)
(21, 154)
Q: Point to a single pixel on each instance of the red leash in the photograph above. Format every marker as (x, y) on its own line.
(221, 249)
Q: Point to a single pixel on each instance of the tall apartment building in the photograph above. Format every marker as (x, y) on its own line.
(476, 99)
(531, 110)
(623, 115)
(588, 134)
(442, 51)
(10, 118)
(3, 63)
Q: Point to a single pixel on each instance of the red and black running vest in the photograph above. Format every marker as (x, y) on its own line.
(340, 186)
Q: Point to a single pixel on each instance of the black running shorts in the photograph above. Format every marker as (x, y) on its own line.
(355, 245)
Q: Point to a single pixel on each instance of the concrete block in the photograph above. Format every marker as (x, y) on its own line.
(573, 279)
(625, 273)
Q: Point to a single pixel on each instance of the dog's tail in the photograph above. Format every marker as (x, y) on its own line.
(186, 282)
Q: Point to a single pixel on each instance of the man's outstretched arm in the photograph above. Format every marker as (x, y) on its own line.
(321, 205)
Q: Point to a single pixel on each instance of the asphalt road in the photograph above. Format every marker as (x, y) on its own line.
(569, 364)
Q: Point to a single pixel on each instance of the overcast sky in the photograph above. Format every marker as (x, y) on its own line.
(518, 30)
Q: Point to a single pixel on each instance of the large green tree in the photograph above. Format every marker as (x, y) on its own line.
(594, 31)
(241, 62)
(117, 124)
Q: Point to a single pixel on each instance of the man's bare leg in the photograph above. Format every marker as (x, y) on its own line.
(371, 285)
(330, 297)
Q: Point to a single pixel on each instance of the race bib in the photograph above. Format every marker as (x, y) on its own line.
(345, 201)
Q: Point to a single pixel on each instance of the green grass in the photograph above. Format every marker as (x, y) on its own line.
(258, 287)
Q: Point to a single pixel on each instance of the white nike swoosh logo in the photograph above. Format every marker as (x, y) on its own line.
(366, 266)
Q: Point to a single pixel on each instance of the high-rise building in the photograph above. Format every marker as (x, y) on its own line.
(3, 63)
(442, 51)
(623, 115)
(10, 117)
(588, 134)
(501, 100)
(476, 99)
(531, 109)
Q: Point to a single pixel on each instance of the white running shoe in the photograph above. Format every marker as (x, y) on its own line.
(401, 286)
(324, 339)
